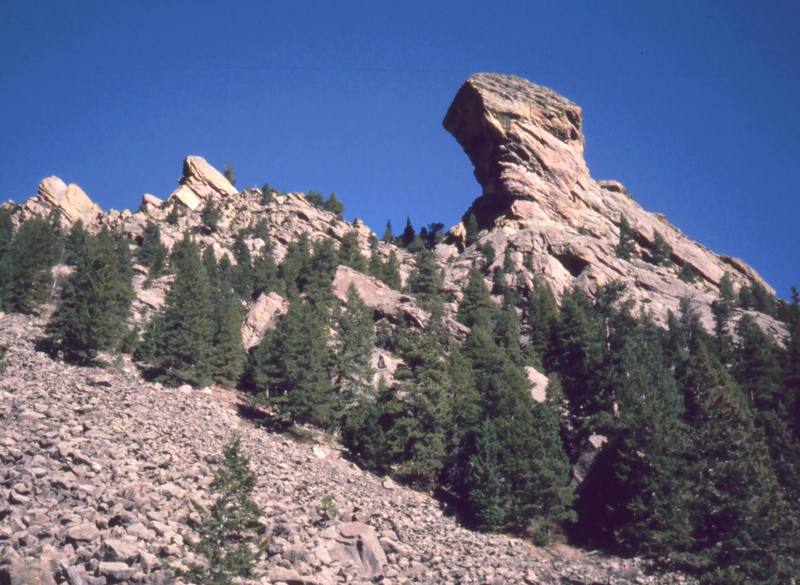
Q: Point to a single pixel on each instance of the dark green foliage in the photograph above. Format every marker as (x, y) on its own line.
(391, 272)
(476, 304)
(265, 273)
(367, 429)
(294, 269)
(350, 252)
(315, 198)
(153, 253)
(688, 274)
(388, 236)
(408, 234)
(242, 277)
(425, 280)
(228, 174)
(321, 271)
(6, 271)
(75, 244)
(540, 317)
(178, 344)
(743, 530)
(173, 215)
(292, 365)
(95, 302)
(660, 251)
(228, 358)
(486, 486)
(34, 249)
(488, 252)
(722, 309)
(210, 216)
(333, 205)
(626, 246)
(228, 532)
(267, 194)
(354, 343)
(471, 228)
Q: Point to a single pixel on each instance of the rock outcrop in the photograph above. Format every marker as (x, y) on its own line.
(539, 202)
(262, 316)
(200, 182)
(101, 473)
(69, 201)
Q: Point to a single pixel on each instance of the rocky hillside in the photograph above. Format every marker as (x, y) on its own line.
(100, 470)
(539, 207)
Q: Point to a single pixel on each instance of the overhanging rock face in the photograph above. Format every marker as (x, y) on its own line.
(559, 224)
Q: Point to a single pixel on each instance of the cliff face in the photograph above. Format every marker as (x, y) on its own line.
(560, 224)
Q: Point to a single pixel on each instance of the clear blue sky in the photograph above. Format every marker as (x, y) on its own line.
(695, 106)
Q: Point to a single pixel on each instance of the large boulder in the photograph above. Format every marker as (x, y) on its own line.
(262, 316)
(200, 181)
(357, 544)
(69, 201)
(30, 572)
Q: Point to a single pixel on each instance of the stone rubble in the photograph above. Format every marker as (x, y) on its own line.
(100, 473)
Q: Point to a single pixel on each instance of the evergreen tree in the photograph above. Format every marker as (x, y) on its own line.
(95, 303)
(210, 216)
(173, 216)
(507, 331)
(292, 365)
(153, 254)
(178, 343)
(227, 531)
(486, 486)
(228, 174)
(367, 427)
(350, 252)
(742, 529)
(75, 244)
(315, 198)
(321, 271)
(265, 273)
(33, 251)
(426, 279)
(354, 343)
(295, 266)
(722, 309)
(391, 272)
(626, 246)
(408, 234)
(334, 205)
(228, 359)
(6, 270)
(243, 272)
(476, 303)
(540, 318)
(375, 266)
(388, 236)
(660, 250)
(471, 229)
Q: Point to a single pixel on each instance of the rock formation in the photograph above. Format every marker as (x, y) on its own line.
(540, 202)
(69, 201)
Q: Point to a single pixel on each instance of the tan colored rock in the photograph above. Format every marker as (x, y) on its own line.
(590, 452)
(204, 179)
(538, 382)
(186, 197)
(72, 203)
(262, 316)
(357, 543)
(31, 572)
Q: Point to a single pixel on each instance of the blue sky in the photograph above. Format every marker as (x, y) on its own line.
(693, 105)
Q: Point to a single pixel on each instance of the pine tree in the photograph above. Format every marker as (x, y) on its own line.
(178, 343)
(75, 243)
(471, 229)
(153, 253)
(210, 216)
(742, 529)
(626, 246)
(228, 529)
(476, 303)
(243, 272)
(540, 318)
(295, 266)
(33, 251)
(265, 273)
(391, 272)
(95, 303)
(367, 427)
(426, 279)
(334, 205)
(355, 341)
(292, 365)
(486, 486)
(408, 234)
(507, 331)
(6, 270)
(388, 236)
(321, 271)
(660, 250)
(350, 252)
(228, 359)
(722, 309)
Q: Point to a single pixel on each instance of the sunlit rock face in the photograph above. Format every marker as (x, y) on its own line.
(540, 203)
